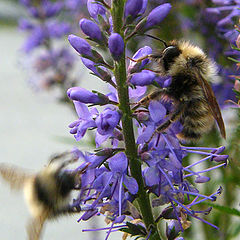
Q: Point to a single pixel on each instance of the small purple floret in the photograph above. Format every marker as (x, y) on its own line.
(91, 29)
(95, 9)
(116, 45)
(145, 77)
(84, 96)
(157, 15)
(80, 45)
(107, 121)
(133, 7)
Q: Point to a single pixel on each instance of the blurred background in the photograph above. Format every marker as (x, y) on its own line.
(38, 66)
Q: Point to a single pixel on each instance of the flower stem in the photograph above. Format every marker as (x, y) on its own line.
(127, 124)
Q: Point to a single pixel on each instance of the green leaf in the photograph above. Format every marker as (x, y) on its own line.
(232, 59)
(235, 48)
(228, 210)
(134, 229)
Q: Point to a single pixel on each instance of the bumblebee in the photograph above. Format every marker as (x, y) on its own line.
(195, 104)
(47, 193)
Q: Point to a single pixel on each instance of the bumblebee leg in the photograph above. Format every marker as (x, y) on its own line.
(173, 117)
(67, 210)
(62, 157)
(140, 59)
(144, 101)
(57, 156)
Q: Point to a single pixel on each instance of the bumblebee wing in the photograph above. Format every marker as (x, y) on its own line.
(212, 102)
(34, 227)
(14, 175)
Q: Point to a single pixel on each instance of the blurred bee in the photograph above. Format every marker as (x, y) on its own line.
(47, 193)
(195, 104)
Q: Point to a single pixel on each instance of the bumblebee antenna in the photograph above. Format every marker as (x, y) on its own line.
(156, 38)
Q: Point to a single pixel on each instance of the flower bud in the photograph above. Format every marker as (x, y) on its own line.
(168, 213)
(202, 179)
(95, 9)
(116, 45)
(173, 229)
(104, 74)
(144, 7)
(167, 82)
(24, 24)
(145, 77)
(133, 7)
(80, 45)
(142, 116)
(107, 121)
(91, 29)
(146, 156)
(157, 15)
(220, 158)
(90, 65)
(137, 66)
(52, 9)
(84, 96)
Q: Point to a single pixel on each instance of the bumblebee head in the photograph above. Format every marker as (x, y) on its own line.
(169, 54)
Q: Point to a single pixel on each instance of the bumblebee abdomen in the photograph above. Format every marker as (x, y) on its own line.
(196, 120)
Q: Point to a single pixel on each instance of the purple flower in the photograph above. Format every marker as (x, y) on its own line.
(95, 9)
(84, 96)
(116, 45)
(145, 77)
(91, 29)
(35, 39)
(138, 66)
(84, 122)
(75, 4)
(58, 29)
(24, 24)
(173, 229)
(157, 15)
(118, 164)
(90, 65)
(144, 7)
(51, 9)
(80, 45)
(107, 121)
(133, 7)
(45, 10)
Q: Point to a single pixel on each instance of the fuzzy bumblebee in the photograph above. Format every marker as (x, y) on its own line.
(195, 104)
(47, 193)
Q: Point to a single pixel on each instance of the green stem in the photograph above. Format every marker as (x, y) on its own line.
(127, 124)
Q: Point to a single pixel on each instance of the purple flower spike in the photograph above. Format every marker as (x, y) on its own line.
(145, 77)
(107, 121)
(95, 9)
(116, 45)
(84, 96)
(91, 29)
(157, 15)
(80, 45)
(133, 7)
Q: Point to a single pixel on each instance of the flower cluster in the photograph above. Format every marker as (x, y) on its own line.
(50, 64)
(129, 170)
